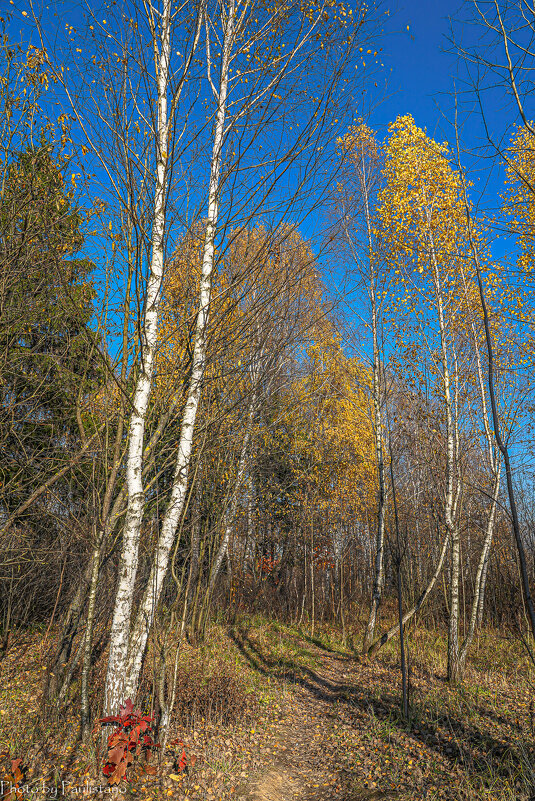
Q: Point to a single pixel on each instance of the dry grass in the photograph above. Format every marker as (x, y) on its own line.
(470, 742)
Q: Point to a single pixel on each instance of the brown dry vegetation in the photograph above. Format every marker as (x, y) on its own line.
(271, 713)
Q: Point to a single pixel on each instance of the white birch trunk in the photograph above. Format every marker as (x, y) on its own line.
(120, 629)
(454, 665)
(381, 500)
(479, 589)
(451, 496)
(476, 613)
(378, 581)
(138, 639)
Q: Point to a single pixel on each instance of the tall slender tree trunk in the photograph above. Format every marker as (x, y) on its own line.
(479, 588)
(476, 612)
(378, 581)
(138, 639)
(230, 515)
(452, 493)
(195, 549)
(85, 709)
(120, 629)
(304, 595)
(454, 668)
(392, 632)
(312, 582)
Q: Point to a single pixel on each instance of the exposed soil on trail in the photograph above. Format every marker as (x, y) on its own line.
(301, 762)
(341, 736)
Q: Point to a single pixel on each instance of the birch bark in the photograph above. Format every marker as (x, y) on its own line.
(120, 629)
(378, 428)
(366, 163)
(476, 612)
(452, 492)
(151, 596)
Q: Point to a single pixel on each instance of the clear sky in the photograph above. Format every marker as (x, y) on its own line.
(418, 73)
(417, 77)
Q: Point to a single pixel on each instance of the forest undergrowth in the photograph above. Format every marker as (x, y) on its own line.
(267, 712)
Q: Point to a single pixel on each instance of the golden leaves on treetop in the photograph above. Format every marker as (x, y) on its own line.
(359, 142)
(520, 194)
(421, 207)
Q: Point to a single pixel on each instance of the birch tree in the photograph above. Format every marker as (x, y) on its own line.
(421, 212)
(472, 321)
(505, 49)
(160, 25)
(126, 129)
(254, 74)
(361, 152)
(242, 32)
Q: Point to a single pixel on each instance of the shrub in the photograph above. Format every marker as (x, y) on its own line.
(212, 690)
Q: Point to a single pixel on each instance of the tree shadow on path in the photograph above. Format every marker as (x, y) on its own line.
(340, 689)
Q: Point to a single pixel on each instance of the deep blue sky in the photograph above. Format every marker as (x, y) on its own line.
(418, 74)
(417, 78)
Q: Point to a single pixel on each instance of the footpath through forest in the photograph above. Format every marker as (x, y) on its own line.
(341, 736)
(306, 756)
(323, 725)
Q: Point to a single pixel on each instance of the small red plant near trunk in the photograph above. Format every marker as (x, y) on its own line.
(183, 762)
(133, 734)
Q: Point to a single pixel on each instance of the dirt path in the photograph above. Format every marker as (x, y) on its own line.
(302, 759)
(341, 736)
(324, 726)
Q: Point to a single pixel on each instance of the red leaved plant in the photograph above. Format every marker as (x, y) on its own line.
(14, 779)
(183, 762)
(132, 735)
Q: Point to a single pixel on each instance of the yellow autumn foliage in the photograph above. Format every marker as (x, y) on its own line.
(333, 434)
